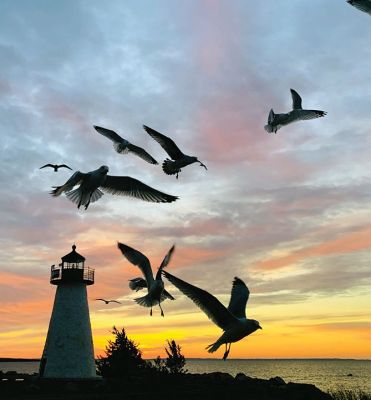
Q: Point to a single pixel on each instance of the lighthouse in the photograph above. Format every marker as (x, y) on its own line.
(68, 351)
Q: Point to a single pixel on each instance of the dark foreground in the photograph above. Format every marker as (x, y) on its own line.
(215, 385)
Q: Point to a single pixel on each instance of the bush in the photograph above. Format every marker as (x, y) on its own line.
(345, 394)
(123, 358)
(175, 361)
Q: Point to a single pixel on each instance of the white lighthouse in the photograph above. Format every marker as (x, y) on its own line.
(68, 351)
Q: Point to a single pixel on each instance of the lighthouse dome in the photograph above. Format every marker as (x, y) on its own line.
(73, 256)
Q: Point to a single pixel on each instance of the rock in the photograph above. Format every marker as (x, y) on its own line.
(100, 386)
(306, 392)
(71, 387)
(350, 375)
(32, 388)
(277, 381)
(240, 377)
(220, 376)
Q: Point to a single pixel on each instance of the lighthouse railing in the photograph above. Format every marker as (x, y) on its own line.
(59, 274)
(88, 274)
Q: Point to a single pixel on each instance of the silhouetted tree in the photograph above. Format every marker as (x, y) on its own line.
(175, 361)
(123, 358)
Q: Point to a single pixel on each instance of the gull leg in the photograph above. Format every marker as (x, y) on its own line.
(87, 204)
(226, 352)
(162, 312)
(150, 313)
(229, 348)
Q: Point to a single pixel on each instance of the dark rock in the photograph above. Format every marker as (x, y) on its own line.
(71, 387)
(220, 376)
(277, 381)
(306, 392)
(32, 388)
(240, 377)
(350, 375)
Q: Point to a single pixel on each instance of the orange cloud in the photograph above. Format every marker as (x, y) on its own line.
(349, 242)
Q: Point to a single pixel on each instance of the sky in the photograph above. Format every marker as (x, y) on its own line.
(290, 214)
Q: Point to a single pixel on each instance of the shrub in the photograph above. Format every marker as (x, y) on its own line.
(175, 361)
(345, 394)
(123, 358)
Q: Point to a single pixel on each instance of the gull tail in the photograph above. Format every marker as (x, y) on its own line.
(79, 197)
(213, 346)
(149, 301)
(169, 167)
(137, 284)
(146, 301)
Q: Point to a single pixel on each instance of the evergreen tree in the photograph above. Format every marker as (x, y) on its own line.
(175, 361)
(123, 358)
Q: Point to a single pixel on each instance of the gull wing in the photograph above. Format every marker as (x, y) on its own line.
(296, 100)
(209, 304)
(139, 259)
(165, 262)
(363, 5)
(74, 180)
(271, 116)
(310, 114)
(64, 166)
(141, 153)
(165, 142)
(127, 186)
(111, 135)
(47, 165)
(239, 296)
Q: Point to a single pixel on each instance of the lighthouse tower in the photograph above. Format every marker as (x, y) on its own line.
(68, 351)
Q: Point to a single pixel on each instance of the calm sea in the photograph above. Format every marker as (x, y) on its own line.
(325, 374)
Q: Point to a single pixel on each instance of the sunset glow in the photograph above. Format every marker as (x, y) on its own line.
(290, 214)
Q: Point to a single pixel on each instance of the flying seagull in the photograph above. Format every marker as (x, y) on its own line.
(277, 121)
(109, 301)
(89, 192)
(122, 146)
(363, 5)
(55, 166)
(156, 291)
(232, 320)
(180, 159)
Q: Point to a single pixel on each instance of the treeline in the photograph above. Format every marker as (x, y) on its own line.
(123, 359)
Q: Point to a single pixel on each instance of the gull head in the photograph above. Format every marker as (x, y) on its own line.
(104, 168)
(256, 324)
(195, 159)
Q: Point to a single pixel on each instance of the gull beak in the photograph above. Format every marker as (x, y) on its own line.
(260, 327)
(203, 165)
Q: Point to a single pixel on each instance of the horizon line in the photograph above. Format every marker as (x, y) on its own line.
(20, 359)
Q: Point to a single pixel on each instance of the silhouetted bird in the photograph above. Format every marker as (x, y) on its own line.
(109, 301)
(88, 191)
(180, 160)
(122, 146)
(363, 5)
(232, 320)
(56, 166)
(276, 121)
(156, 291)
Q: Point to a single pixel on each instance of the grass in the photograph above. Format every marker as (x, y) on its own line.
(344, 394)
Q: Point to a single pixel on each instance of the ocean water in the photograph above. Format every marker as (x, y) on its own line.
(325, 374)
